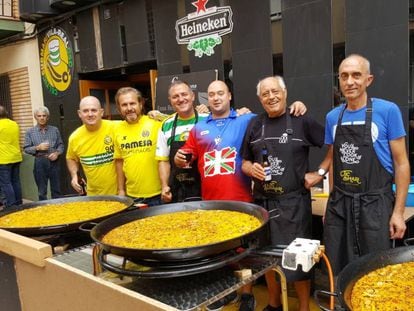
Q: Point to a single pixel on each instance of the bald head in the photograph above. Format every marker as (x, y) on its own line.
(90, 100)
(90, 112)
(357, 59)
(219, 98)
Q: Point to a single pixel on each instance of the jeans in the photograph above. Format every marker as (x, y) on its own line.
(10, 184)
(43, 171)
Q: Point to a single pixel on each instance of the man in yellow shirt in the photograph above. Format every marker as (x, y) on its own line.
(92, 146)
(10, 159)
(135, 145)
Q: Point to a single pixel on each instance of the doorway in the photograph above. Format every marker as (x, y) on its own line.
(105, 91)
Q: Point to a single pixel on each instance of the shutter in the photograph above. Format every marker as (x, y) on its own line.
(20, 100)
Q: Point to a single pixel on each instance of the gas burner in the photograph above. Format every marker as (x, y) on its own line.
(159, 269)
(65, 240)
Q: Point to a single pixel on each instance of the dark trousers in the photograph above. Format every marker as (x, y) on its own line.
(10, 183)
(43, 171)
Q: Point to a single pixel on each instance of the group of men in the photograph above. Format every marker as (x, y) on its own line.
(144, 159)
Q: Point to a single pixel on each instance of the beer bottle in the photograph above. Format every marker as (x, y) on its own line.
(82, 183)
(266, 165)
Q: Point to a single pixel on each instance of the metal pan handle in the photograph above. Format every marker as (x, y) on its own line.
(409, 241)
(274, 213)
(325, 293)
(87, 226)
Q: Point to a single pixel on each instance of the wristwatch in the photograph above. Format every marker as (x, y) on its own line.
(322, 172)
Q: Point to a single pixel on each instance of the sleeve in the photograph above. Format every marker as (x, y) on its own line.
(116, 132)
(70, 153)
(395, 124)
(163, 150)
(29, 146)
(246, 151)
(315, 132)
(329, 139)
(60, 147)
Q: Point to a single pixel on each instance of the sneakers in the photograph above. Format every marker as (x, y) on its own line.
(247, 302)
(218, 305)
(270, 308)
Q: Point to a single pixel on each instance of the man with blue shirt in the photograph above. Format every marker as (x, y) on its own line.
(45, 144)
(366, 139)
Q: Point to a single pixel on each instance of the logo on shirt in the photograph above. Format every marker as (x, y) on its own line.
(348, 179)
(220, 162)
(145, 133)
(283, 139)
(108, 140)
(275, 166)
(349, 153)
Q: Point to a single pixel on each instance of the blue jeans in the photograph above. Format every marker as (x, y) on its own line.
(43, 171)
(10, 184)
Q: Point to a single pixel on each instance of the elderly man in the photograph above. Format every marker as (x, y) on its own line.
(135, 145)
(44, 142)
(216, 143)
(282, 142)
(92, 147)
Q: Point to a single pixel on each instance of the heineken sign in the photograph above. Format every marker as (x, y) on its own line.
(202, 30)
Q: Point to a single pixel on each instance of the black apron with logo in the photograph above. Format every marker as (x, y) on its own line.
(361, 203)
(184, 183)
(286, 199)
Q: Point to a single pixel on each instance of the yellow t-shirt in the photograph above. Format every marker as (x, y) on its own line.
(136, 145)
(9, 142)
(95, 152)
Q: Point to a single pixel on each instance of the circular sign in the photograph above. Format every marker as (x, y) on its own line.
(56, 61)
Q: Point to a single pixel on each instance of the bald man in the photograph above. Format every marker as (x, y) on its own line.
(92, 147)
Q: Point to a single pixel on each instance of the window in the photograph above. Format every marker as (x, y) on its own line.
(275, 10)
(6, 8)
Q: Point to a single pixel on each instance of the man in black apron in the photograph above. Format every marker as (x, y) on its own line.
(282, 141)
(178, 184)
(363, 215)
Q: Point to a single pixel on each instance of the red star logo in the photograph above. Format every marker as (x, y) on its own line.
(200, 5)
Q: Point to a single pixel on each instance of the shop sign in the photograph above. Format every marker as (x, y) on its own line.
(56, 61)
(202, 30)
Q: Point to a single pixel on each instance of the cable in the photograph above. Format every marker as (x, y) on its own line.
(331, 280)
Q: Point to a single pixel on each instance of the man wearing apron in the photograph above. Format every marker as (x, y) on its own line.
(366, 140)
(286, 141)
(178, 184)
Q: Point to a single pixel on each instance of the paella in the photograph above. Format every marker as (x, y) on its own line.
(182, 229)
(387, 288)
(57, 214)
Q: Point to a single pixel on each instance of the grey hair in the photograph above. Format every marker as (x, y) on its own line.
(41, 110)
(364, 60)
(279, 80)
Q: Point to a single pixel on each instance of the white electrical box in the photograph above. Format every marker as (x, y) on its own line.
(300, 252)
